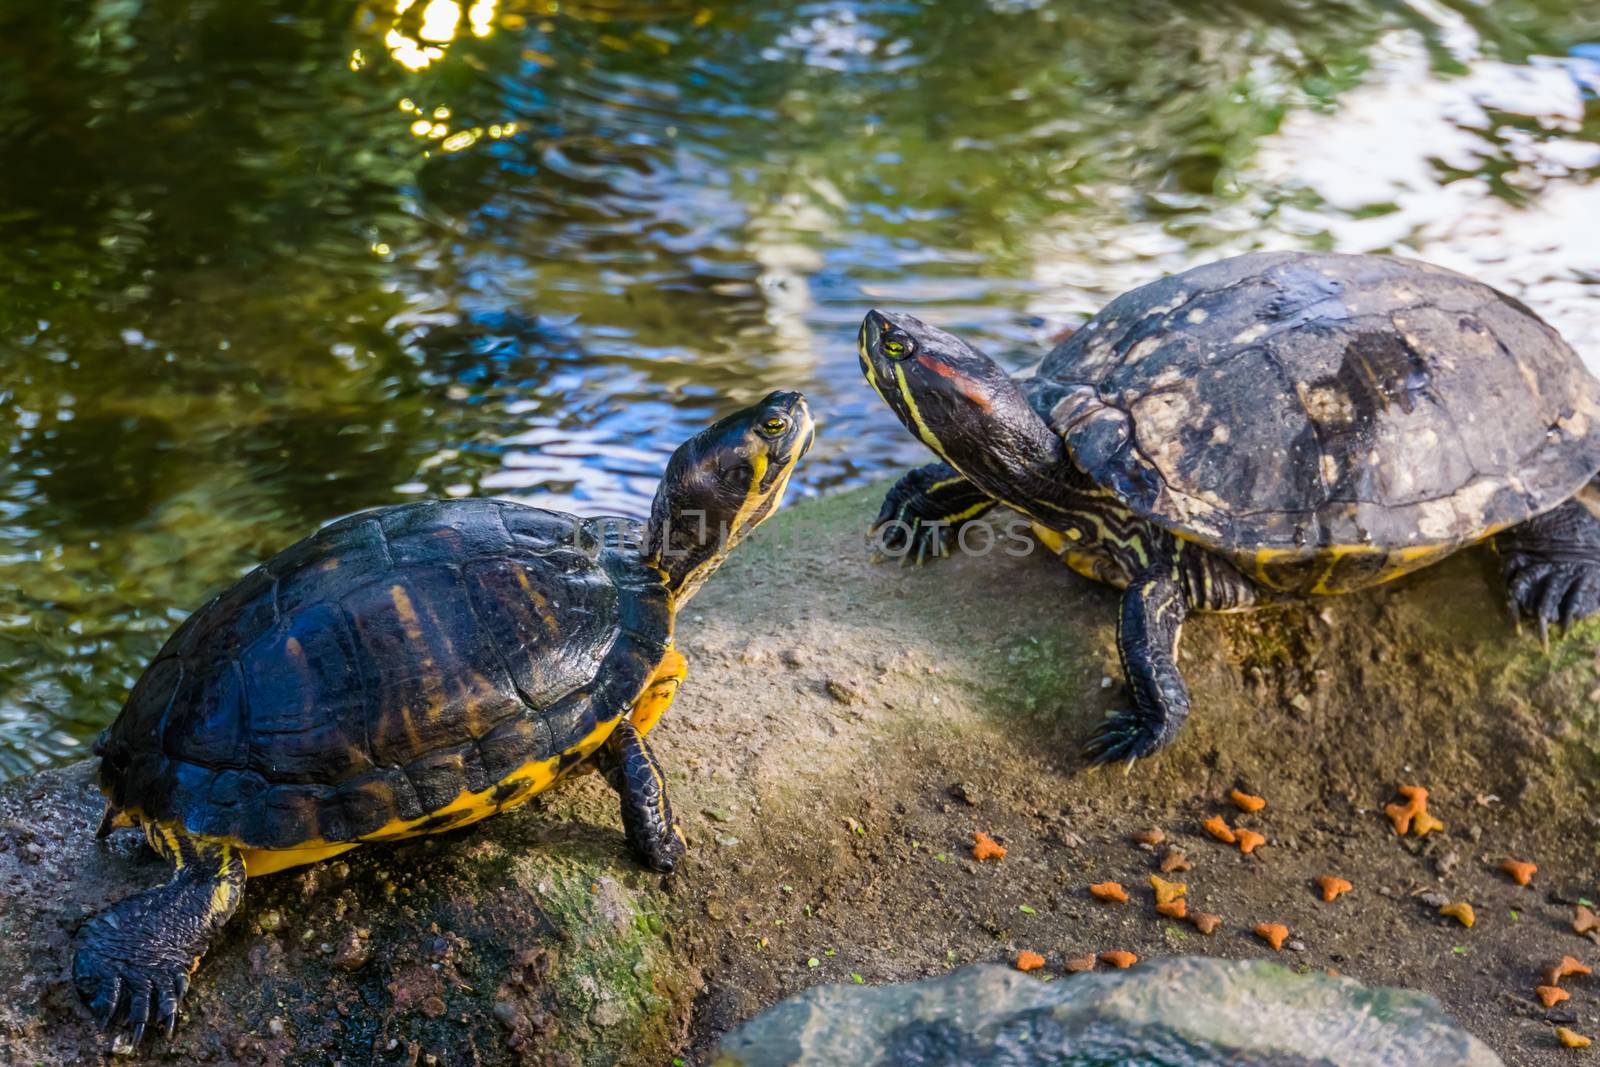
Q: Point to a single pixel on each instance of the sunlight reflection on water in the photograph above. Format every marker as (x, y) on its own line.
(273, 266)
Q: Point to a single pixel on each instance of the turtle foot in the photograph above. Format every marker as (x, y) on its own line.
(129, 981)
(1552, 592)
(1125, 735)
(923, 513)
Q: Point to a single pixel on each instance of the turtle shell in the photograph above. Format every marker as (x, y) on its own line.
(401, 670)
(1327, 421)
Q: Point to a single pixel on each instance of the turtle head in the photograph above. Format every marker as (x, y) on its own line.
(960, 403)
(722, 483)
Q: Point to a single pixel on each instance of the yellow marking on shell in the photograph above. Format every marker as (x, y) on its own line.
(541, 603)
(659, 691)
(258, 862)
(1398, 562)
(533, 777)
(407, 612)
(540, 774)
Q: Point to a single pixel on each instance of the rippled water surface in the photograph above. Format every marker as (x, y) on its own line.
(269, 262)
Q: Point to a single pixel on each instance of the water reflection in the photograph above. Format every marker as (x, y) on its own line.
(270, 264)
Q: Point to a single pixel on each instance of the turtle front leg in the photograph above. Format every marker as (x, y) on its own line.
(631, 768)
(1151, 620)
(924, 510)
(1551, 564)
(135, 958)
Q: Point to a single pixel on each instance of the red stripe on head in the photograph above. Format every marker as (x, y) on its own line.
(969, 388)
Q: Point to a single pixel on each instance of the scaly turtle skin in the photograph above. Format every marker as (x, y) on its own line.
(1270, 425)
(409, 670)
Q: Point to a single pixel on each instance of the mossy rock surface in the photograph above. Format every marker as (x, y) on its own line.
(845, 728)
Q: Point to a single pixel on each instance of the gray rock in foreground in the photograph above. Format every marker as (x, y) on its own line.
(1191, 1012)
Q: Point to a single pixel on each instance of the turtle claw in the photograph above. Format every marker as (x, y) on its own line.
(129, 973)
(121, 994)
(1124, 736)
(1552, 592)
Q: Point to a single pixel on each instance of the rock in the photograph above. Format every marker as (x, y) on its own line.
(843, 692)
(505, 920)
(1193, 1012)
(544, 910)
(352, 952)
(964, 792)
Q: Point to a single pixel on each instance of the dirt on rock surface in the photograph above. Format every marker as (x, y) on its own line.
(845, 730)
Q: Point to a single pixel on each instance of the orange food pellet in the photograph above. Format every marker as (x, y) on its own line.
(1273, 934)
(1152, 836)
(1584, 920)
(1571, 1038)
(1332, 885)
(1119, 959)
(1112, 891)
(986, 848)
(1520, 872)
(1217, 827)
(1416, 804)
(1079, 965)
(1174, 909)
(1551, 995)
(1245, 802)
(1249, 840)
(1167, 892)
(1461, 912)
(1029, 961)
(1175, 861)
(1567, 966)
(1205, 922)
(1425, 824)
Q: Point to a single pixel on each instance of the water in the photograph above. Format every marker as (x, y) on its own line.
(268, 263)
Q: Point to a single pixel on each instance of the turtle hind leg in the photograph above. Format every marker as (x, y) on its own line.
(631, 768)
(1551, 564)
(134, 959)
(1151, 620)
(924, 511)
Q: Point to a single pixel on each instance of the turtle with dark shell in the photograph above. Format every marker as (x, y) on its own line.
(1271, 425)
(404, 671)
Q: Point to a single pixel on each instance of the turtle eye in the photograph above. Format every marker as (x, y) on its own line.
(774, 426)
(895, 348)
